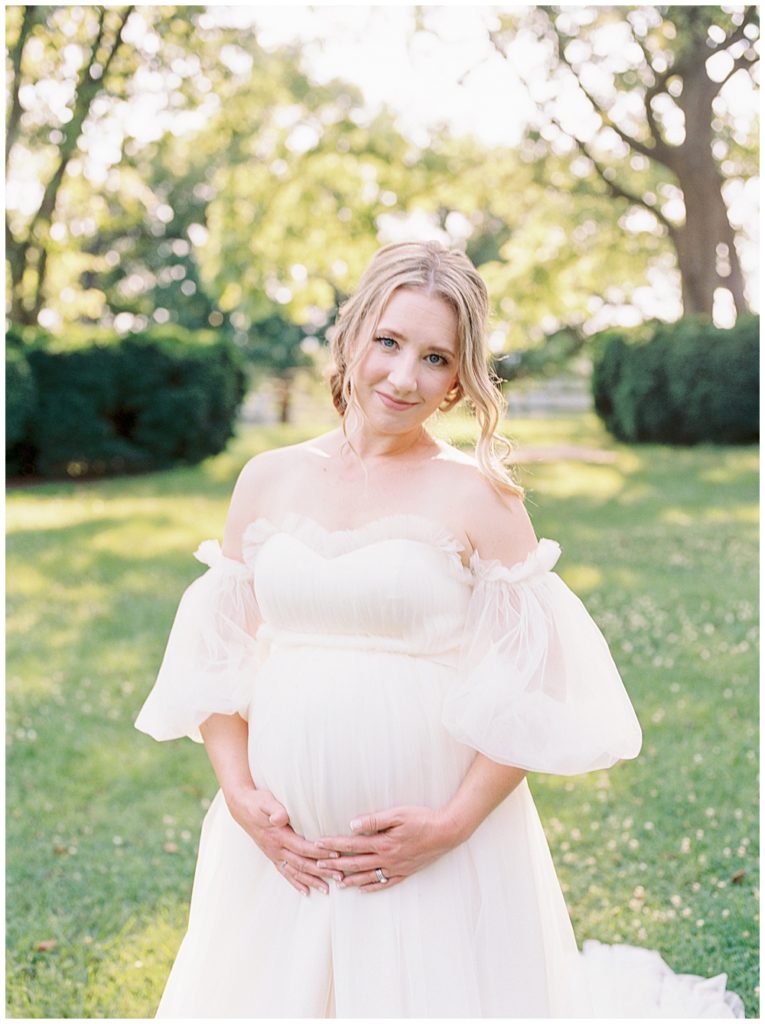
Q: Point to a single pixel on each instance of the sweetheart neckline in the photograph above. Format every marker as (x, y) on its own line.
(441, 539)
(543, 556)
(439, 530)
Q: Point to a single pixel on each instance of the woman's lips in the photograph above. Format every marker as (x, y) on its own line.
(393, 403)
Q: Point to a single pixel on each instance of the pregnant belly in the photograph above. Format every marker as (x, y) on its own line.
(335, 733)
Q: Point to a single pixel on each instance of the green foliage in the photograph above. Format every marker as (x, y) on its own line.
(103, 823)
(130, 404)
(20, 401)
(680, 383)
(544, 360)
(274, 346)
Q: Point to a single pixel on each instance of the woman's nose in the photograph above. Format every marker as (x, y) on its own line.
(403, 376)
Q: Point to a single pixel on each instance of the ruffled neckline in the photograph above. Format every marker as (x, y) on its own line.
(211, 554)
(332, 543)
(539, 560)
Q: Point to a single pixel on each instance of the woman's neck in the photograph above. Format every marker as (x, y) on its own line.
(372, 445)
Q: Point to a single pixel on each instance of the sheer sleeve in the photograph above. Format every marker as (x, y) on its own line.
(537, 686)
(212, 653)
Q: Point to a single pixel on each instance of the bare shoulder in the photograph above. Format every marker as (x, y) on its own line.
(258, 478)
(496, 525)
(259, 473)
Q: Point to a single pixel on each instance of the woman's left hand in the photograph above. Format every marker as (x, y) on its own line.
(399, 841)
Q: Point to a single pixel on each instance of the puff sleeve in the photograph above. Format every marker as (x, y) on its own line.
(212, 653)
(536, 685)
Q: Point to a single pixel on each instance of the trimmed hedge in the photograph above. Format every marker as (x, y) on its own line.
(681, 383)
(20, 408)
(118, 405)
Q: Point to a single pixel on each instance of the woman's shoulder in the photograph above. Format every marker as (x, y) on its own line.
(260, 479)
(496, 524)
(272, 462)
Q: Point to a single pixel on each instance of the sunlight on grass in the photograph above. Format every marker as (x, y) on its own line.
(583, 578)
(135, 964)
(598, 482)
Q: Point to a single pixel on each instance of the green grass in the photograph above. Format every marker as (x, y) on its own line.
(661, 545)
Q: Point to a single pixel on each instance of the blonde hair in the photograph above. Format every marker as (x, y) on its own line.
(449, 274)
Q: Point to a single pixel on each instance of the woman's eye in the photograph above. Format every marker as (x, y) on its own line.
(440, 360)
(383, 340)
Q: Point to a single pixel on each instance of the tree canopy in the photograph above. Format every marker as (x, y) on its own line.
(164, 168)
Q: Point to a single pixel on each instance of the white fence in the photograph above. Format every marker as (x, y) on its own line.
(555, 395)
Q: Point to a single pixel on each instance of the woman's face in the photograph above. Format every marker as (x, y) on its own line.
(411, 361)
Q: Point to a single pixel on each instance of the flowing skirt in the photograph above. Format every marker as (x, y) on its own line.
(482, 932)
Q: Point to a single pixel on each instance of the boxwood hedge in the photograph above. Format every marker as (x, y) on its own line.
(680, 383)
(98, 404)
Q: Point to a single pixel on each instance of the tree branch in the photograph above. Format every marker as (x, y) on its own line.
(737, 34)
(620, 192)
(14, 116)
(740, 62)
(614, 188)
(42, 270)
(664, 152)
(633, 143)
(87, 89)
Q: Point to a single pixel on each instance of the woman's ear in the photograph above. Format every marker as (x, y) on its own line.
(452, 396)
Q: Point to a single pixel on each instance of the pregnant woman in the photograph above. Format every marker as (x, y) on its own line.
(375, 659)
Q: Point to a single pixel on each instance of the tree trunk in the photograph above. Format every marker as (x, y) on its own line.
(706, 217)
(706, 227)
(285, 398)
(28, 255)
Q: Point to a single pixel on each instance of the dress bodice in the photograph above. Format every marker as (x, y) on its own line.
(397, 584)
(531, 679)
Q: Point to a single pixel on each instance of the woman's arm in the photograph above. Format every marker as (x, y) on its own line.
(257, 811)
(484, 787)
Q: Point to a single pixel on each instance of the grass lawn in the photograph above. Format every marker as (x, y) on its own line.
(661, 545)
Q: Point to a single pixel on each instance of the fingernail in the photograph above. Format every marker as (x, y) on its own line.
(338, 878)
(341, 885)
(326, 891)
(355, 824)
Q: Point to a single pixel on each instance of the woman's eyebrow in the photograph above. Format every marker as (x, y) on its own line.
(391, 331)
(401, 337)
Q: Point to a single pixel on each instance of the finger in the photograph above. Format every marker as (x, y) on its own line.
(351, 865)
(312, 882)
(360, 878)
(273, 809)
(306, 848)
(347, 844)
(285, 871)
(374, 886)
(376, 822)
(310, 867)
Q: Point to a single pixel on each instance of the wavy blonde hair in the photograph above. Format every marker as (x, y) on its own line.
(449, 274)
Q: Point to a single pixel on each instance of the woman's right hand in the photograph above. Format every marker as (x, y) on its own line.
(266, 821)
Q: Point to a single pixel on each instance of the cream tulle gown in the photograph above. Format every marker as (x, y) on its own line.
(371, 664)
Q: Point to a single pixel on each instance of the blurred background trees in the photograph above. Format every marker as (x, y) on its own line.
(166, 168)
(650, 124)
